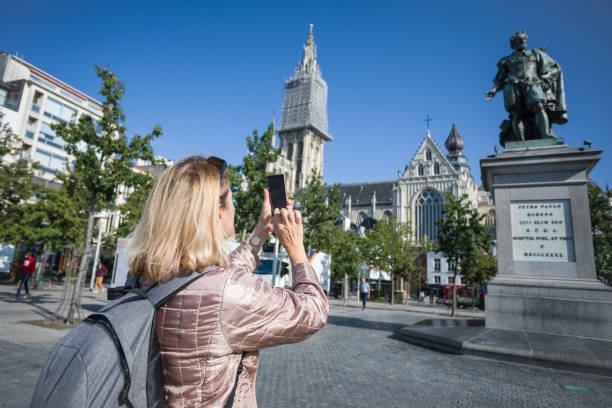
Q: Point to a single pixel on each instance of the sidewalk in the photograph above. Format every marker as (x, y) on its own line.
(413, 306)
(24, 347)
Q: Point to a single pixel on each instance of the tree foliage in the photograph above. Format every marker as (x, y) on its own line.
(251, 178)
(16, 186)
(320, 208)
(344, 249)
(461, 234)
(103, 157)
(601, 227)
(388, 247)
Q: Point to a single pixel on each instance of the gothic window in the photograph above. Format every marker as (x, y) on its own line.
(421, 170)
(436, 168)
(428, 154)
(428, 210)
(298, 174)
(387, 216)
(290, 151)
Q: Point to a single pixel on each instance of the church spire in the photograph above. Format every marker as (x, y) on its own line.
(309, 56)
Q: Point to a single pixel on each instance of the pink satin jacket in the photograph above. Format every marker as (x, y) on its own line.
(204, 330)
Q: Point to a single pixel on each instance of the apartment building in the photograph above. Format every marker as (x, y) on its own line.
(31, 100)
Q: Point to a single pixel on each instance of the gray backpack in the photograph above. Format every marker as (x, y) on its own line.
(112, 358)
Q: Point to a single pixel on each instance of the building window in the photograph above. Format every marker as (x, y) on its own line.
(451, 265)
(437, 279)
(451, 279)
(290, 151)
(298, 173)
(428, 155)
(47, 136)
(428, 210)
(437, 265)
(58, 110)
(421, 170)
(387, 216)
(49, 162)
(436, 168)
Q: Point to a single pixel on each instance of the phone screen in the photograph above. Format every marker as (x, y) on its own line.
(276, 186)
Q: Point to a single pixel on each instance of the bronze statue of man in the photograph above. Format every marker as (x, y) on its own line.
(534, 94)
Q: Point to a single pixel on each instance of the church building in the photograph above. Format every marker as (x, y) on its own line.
(416, 196)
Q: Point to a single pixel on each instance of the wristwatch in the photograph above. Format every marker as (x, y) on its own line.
(254, 240)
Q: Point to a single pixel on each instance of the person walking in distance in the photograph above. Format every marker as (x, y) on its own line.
(101, 272)
(28, 265)
(364, 288)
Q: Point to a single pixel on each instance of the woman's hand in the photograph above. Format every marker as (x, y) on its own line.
(290, 232)
(264, 226)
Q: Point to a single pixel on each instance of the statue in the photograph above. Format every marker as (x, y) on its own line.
(534, 94)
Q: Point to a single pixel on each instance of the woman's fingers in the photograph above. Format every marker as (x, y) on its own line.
(298, 217)
(284, 216)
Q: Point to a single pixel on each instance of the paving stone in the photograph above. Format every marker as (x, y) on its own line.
(357, 360)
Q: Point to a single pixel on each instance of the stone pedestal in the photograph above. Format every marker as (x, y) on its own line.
(546, 280)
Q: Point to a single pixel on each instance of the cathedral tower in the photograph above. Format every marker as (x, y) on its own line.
(303, 128)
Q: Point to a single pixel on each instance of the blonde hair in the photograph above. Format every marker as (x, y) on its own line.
(179, 229)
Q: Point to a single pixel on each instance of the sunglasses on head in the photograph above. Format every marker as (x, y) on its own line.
(218, 163)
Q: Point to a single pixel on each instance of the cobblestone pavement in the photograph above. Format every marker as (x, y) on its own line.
(355, 361)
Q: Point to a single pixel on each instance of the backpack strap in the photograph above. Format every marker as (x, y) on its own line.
(162, 292)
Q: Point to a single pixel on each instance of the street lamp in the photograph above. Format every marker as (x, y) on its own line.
(95, 260)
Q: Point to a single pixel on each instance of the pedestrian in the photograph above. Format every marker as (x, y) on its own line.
(364, 288)
(101, 272)
(210, 333)
(28, 265)
(421, 297)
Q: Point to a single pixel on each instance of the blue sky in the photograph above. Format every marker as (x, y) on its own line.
(209, 73)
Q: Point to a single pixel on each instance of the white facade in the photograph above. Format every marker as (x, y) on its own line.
(439, 271)
(35, 101)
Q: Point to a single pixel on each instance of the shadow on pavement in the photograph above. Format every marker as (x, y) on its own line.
(364, 324)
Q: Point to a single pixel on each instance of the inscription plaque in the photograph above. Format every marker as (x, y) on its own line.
(542, 231)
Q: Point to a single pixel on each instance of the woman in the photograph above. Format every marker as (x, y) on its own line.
(101, 272)
(222, 319)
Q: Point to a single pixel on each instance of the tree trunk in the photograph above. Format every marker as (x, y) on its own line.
(345, 289)
(75, 301)
(392, 289)
(454, 310)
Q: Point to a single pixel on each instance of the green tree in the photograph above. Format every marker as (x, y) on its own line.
(344, 249)
(460, 234)
(388, 247)
(478, 267)
(132, 208)
(251, 178)
(104, 158)
(601, 227)
(320, 208)
(16, 187)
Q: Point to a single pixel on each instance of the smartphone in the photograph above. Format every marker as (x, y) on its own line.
(276, 187)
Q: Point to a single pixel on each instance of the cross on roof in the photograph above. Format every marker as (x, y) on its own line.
(427, 119)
